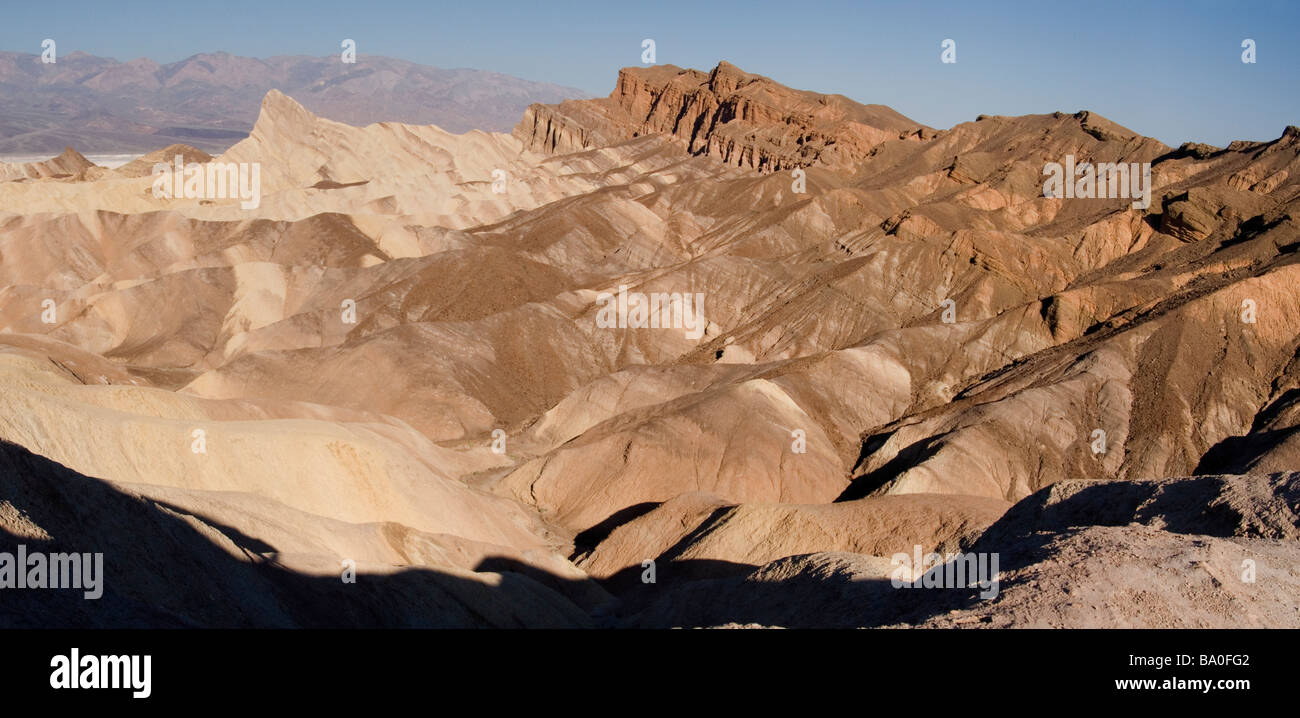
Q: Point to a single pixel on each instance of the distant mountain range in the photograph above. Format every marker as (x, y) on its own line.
(210, 101)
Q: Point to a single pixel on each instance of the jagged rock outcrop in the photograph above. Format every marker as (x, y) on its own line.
(739, 118)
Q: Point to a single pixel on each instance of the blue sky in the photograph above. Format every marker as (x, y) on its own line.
(1169, 70)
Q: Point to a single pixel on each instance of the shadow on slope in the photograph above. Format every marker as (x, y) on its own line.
(1166, 517)
(1270, 428)
(164, 567)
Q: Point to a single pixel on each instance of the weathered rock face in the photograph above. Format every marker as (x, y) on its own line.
(739, 118)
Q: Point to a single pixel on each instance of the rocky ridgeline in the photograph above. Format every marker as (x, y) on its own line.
(742, 119)
(69, 164)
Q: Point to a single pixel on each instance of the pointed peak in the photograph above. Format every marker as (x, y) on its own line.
(279, 109)
(69, 161)
(71, 155)
(726, 77)
(724, 67)
(275, 98)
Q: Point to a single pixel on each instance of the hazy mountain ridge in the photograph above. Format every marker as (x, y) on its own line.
(210, 100)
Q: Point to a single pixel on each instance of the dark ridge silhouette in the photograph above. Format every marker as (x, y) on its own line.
(165, 567)
(160, 571)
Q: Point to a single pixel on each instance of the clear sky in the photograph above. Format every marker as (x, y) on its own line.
(1169, 70)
